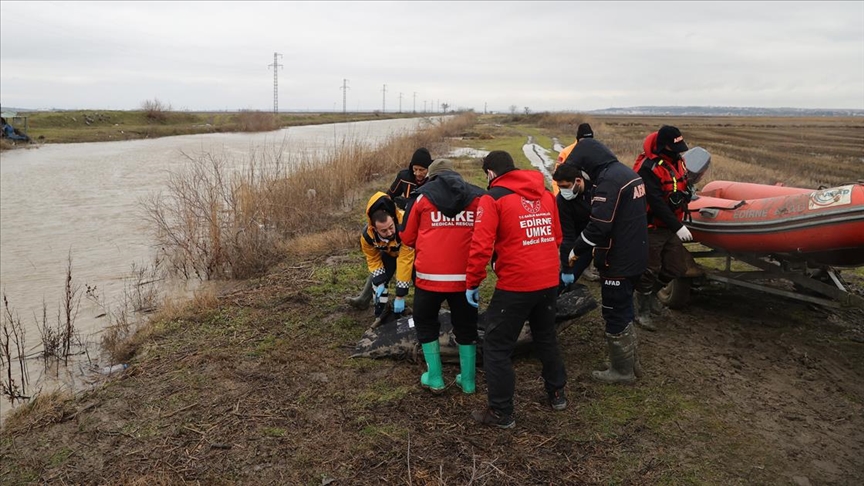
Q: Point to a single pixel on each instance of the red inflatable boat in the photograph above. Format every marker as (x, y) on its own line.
(824, 227)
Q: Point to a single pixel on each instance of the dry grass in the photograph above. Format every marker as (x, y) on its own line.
(802, 152)
(213, 223)
(45, 409)
(255, 121)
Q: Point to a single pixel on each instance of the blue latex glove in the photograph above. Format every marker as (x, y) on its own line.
(567, 278)
(398, 305)
(378, 291)
(473, 297)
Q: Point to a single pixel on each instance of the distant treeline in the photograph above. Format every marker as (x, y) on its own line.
(724, 111)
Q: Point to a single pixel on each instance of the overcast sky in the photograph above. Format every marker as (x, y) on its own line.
(547, 56)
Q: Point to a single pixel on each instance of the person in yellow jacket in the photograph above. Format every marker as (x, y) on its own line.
(583, 131)
(386, 256)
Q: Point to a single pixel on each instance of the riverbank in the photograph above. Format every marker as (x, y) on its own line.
(253, 383)
(107, 125)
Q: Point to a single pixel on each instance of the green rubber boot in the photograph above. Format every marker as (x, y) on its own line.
(468, 368)
(432, 379)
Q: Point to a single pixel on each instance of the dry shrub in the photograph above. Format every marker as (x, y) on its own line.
(255, 121)
(155, 110)
(214, 222)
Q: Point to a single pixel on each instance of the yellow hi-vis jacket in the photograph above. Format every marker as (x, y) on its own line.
(376, 248)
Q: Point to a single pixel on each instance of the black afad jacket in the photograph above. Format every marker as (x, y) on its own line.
(617, 230)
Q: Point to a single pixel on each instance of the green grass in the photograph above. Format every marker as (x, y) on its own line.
(109, 125)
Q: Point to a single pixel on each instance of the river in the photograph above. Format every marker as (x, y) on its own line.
(84, 200)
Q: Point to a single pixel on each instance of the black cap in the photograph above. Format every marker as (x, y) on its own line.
(584, 131)
(421, 157)
(669, 136)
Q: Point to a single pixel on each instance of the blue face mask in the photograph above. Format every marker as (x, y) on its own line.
(567, 194)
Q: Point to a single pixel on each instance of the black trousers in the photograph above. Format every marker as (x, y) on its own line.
(463, 316)
(617, 302)
(505, 317)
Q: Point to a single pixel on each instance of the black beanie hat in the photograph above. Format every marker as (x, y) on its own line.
(421, 157)
(499, 162)
(584, 131)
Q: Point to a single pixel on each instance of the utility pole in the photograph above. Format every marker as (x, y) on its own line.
(438, 105)
(276, 67)
(384, 99)
(424, 106)
(344, 89)
(400, 102)
(485, 104)
(415, 102)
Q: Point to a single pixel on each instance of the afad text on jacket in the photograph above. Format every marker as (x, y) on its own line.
(617, 230)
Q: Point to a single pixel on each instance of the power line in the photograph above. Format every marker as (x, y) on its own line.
(275, 67)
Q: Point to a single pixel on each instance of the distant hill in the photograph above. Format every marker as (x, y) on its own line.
(724, 111)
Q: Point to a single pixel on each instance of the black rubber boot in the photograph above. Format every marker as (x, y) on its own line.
(361, 302)
(642, 306)
(622, 358)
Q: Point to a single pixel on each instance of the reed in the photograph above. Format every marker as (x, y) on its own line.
(13, 339)
(213, 222)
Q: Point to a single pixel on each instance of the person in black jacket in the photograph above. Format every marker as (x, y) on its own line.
(574, 211)
(618, 234)
(409, 180)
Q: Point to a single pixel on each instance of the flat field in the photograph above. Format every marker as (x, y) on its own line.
(254, 385)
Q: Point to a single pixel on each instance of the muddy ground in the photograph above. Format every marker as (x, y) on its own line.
(257, 387)
(739, 388)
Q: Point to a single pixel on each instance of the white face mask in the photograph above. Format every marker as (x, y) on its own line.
(567, 194)
(490, 175)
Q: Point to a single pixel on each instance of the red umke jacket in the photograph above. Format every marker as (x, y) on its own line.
(438, 225)
(517, 227)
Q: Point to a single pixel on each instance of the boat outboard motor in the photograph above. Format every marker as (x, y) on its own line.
(697, 160)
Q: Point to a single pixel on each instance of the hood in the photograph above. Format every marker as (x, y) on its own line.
(380, 200)
(649, 145)
(529, 184)
(449, 192)
(591, 157)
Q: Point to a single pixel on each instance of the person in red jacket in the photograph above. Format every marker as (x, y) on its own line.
(438, 225)
(517, 222)
(667, 192)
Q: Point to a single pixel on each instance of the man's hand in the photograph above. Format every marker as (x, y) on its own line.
(568, 278)
(379, 289)
(684, 234)
(473, 297)
(399, 305)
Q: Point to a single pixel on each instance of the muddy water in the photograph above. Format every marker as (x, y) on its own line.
(84, 200)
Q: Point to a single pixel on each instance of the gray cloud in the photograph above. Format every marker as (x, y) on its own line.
(543, 55)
